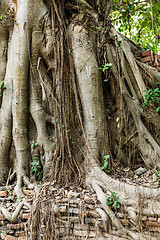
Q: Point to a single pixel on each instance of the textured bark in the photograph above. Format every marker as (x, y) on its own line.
(90, 86)
(14, 108)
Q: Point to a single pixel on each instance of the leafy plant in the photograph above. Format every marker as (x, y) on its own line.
(10, 195)
(152, 95)
(157, 176)
(105, 165)
(113, 200)
(105, 67)
(34, 144)
(37, 168)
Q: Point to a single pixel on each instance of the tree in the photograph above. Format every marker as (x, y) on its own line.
(59, 60)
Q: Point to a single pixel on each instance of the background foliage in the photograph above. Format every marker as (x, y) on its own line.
(139, 20)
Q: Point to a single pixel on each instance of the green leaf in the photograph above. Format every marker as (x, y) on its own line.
(148, 10)
(157, 110)
(150, 25)
(106, 157)
(2, 81)
(109, 203)
(1, 17)
(105, 164)
(155, 10)
(156, 89)
(144, 24)
(117, 205)
(3, 87)
(157, 5)
(108, 65)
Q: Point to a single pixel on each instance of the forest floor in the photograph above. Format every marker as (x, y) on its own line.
(138, 176)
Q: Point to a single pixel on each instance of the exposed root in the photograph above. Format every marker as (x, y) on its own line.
(105, 218)
(122, 231)
(102, 198)
(18, 191)
(22, 201)
(27, 181)
(18, 188)
(14, 217)
(127, 191)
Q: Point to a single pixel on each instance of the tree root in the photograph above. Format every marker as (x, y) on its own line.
(102, 198)
(130, 196)
(14, 217)
(22, 201)
(27, 181)
(121, 230)
(105, 218)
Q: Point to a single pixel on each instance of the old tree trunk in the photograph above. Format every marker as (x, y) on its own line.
(54, 98)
